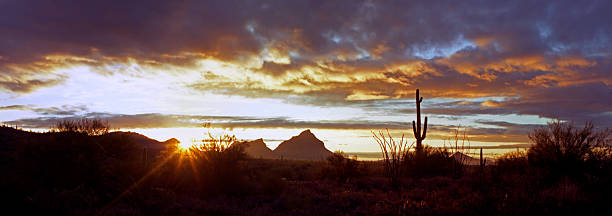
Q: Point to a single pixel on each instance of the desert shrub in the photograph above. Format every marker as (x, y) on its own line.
(342, 168)
(572, 164)
(393, 150)
(431, 162)
(513, 176)
(219, 166)
(87, 126)
(512, 162)
(271, 183)
(560, 149)
(209, 168)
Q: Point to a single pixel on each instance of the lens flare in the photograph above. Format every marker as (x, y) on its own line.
(185, 145)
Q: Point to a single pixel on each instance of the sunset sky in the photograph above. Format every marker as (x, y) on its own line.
(274, 68)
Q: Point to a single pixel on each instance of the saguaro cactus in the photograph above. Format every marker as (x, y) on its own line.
(416, 129)
(483, 163)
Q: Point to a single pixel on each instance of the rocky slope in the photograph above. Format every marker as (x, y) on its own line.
(305, 146)
(256, 149)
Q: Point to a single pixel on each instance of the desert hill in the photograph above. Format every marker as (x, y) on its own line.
(304, 146)
(9, 137)
(12, 139)
(256, 149)
(471, 161)
(142, 140)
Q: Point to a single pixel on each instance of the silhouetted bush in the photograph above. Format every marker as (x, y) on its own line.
(431, 162)
(512, 162)
(73, 173)
(270, 183)
(87, 126)
(342, 168)
(219, 166)
(560, 149)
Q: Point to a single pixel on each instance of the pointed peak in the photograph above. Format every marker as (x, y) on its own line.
(307, 131)
(260, 140)
(303, 146)
(306, 135)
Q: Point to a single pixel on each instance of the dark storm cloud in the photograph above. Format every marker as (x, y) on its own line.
(112, 31)
(229, 29)
(545, 58)
(579, 103)
(119, 28)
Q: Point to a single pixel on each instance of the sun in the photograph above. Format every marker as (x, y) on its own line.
(184, 145)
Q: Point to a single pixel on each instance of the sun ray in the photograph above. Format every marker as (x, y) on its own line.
(137, 183)
(184, 146)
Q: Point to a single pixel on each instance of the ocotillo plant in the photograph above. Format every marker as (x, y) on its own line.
(416, 129)
(393, 153)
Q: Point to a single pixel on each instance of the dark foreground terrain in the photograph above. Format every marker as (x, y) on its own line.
(118, 173)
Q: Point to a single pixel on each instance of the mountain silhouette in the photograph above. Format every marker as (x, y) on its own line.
(471, 161)
(12, 139)
(9, 137)
(304, 146)
(256, 149)
(142, 140)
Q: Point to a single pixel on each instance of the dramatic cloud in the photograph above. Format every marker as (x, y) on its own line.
(19, 84)
(156, 120)
(65, 110)
(579, 103)
(510, 132)
(550, 59)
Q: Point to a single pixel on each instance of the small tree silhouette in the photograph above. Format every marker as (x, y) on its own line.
(92, 127)
(343, 169)
(560, 149)
(219, 164)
